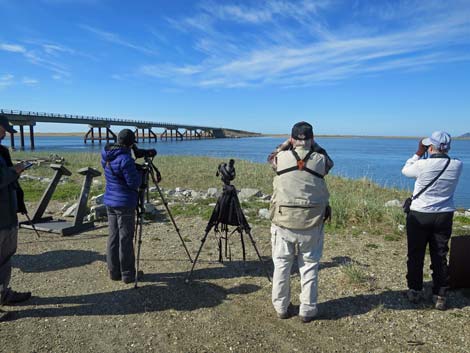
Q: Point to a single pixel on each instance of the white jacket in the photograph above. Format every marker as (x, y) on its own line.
(439, 197)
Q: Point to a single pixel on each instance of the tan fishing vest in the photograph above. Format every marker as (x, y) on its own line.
(300, 197)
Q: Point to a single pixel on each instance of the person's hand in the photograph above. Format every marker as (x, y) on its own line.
(421, 148)
(19, 168)
(285, 145)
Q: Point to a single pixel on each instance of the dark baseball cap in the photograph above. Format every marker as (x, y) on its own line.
(6, 124)
(126, 137)
(302, 131)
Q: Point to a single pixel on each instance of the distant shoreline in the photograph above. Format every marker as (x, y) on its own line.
(82, 134)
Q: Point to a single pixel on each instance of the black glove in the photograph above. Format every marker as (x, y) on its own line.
(327, 215)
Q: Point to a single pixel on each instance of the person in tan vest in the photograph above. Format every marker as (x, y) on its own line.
(299, 208)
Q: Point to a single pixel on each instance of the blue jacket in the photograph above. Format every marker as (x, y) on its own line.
(122, 177)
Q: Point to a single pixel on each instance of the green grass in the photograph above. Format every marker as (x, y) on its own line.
(355, 274)
(358, 205)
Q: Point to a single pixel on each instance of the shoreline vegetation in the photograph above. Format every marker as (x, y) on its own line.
(358, 205)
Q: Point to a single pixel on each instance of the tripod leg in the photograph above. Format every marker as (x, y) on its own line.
(203, 240)
(221, 260)
(259, 256)
(138, 235)
(243, 245)
(165, 203)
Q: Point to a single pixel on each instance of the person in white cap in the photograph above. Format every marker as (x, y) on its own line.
(429, 220)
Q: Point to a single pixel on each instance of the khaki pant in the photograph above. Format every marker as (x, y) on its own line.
(8, 244)
(309, 245)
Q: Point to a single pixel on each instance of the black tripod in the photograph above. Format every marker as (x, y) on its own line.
(149, 170)
(227, 211)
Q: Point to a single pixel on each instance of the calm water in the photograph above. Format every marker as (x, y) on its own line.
(380, 160)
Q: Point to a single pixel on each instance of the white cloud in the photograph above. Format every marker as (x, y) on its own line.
(294, 43)
(6, 80)
(13, 48)
(29, 81)
(116, 39)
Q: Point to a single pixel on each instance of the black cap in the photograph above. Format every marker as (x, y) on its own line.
(126, 137)
(302, 131)
(6, 124)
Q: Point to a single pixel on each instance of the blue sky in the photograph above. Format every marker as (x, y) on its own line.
(348, 67)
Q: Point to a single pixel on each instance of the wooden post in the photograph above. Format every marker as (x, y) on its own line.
(22, 136)
(31, 136)
(12, 140)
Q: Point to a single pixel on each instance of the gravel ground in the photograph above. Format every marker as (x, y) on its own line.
(227, 307)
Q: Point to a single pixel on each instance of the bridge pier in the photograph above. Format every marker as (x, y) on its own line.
(90, 135)
(22, 137)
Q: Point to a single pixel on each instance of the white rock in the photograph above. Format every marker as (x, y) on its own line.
(98, 211)
(393, 203)
(401, 227)
(265, 197)
(178, 189)
(152, 188)
(246, 193)
(97, 182)
(65, 206)
(467, 213)
(98, 199)
(212, 192)
(150, 208)
(70, 212)
(263, 213)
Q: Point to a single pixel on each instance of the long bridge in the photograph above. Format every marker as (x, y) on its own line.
(144, 130)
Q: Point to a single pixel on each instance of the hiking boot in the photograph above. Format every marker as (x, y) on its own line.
(439, 302)
(414, 296)
(115, 276)
(291, 311)
(13, 297)
(128, 280)
(306, 319)
(5, 315)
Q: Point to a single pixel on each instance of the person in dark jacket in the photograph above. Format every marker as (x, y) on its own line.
(10, 203)
(122, 183)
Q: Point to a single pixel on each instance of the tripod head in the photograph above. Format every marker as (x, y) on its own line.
(226, 172)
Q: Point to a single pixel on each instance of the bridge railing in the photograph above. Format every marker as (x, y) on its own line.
(101, 119)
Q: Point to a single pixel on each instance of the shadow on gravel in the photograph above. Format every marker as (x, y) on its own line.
(388, 300)
(174, 294)
(55, 260)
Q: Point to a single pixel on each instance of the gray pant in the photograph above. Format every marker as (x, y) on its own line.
(8, 244)
(309, 246)
(120, 248)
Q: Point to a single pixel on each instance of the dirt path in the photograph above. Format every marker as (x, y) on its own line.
(76, 308)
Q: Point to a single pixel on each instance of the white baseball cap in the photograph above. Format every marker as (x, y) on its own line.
(439, 139)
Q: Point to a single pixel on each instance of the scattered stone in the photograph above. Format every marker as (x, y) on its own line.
(97, 182)
(213, 192)
(65, 206)
(153, 189)
(247, 193)
(178, 189)
(263, 213)
(467, 213)
(98, 212)
(393, 203)
(150, 208)
(98, 199)
(212, 204)
(70, 212)
(265, 197)
(401, 227)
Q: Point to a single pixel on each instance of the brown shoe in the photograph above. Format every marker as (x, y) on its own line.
(292, 310)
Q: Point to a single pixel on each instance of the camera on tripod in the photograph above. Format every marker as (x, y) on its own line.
(143, 153)
(226, 172)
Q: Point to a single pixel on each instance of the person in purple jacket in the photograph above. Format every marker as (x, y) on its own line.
(122, 183)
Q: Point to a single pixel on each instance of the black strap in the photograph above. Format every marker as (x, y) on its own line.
(432, 181)
(301, 166)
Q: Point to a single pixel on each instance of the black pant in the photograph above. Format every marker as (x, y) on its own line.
(120, 249)
(434, 229)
